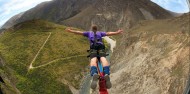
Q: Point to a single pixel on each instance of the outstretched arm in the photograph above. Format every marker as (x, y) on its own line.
(114, 33)
(74, 31)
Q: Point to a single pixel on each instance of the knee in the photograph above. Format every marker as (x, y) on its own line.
(104, 61)
(93, 62)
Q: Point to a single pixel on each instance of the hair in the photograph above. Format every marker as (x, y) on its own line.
(94, 28)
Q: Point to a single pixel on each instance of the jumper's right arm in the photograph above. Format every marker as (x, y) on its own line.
(74, 31)
(114, 33)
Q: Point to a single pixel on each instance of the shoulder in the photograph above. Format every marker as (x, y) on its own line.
(100, 32)
(86, 33)
(103, 33)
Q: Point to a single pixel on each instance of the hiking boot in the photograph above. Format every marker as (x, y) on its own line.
(108, 82)
(94, 81)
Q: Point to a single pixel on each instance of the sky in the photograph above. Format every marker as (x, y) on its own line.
(9, 8)
(179, 6)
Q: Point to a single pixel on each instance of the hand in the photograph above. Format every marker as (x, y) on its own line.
(120, 31)
(68, 29)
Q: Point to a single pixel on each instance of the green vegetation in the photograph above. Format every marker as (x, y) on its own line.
(19, 45)
(107, 45)
(9, 80)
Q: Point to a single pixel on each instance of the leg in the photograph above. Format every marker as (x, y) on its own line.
(106, 65)
(106, 68)
(93, 66)
(104, 62)
(94, 72)
(93, 62)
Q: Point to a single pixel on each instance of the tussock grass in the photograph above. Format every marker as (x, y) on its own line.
(20, 44)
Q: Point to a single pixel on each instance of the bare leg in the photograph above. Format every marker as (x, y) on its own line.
(106, 65)
(104, 62)
(93, 66)
(93, 62)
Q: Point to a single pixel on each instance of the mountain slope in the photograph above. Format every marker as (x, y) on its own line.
(20, 44)
(114, 14)
(82, 13)
(12, 20)
(55, 11)
(7, 80)
(152, 58)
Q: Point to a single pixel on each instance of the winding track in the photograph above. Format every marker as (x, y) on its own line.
(31, 67)
(73, 90)
(110, 41)
(53, 61)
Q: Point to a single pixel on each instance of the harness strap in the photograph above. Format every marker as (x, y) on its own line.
(95, 38)
(95, 51)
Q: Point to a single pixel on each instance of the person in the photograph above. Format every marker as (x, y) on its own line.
(96, 44)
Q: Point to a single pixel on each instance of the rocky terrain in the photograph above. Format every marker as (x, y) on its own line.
(152, 58)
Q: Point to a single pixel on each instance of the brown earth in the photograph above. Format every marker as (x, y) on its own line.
(154, 58)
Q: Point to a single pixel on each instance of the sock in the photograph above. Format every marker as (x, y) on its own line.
(93, 70)
(107, 70)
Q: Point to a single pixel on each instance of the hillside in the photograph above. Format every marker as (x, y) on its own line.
(152, 58)
(54, 62)
(114, 14)
(39, 57)
(82, 13)
(7, 80)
